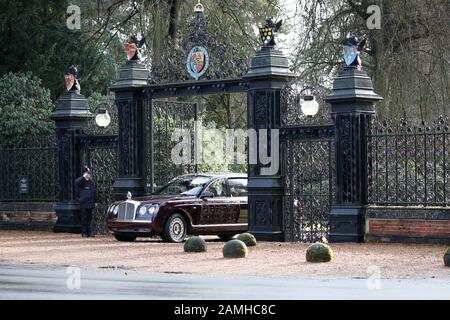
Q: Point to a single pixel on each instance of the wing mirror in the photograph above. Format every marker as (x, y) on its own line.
(207, 194)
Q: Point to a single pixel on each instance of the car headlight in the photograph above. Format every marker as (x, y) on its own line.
(142, 210)
(153, 209)
(116, 210)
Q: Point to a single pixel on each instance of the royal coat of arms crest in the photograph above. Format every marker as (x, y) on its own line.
(197, 62)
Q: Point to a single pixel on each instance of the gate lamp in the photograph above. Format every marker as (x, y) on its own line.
(103, 119)
(309, 106)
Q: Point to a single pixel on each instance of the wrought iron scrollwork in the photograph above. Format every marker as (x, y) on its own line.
(308, 171)
(224, 59)
(166, 117)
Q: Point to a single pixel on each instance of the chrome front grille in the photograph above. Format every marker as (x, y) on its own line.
(127, 210)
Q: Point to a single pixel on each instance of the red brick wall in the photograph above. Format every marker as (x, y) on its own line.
(408, 227)
(413, 224)
(27, 216)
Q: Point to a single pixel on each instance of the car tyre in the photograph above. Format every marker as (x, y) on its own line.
(175, 229)
(124, 237)
(226, 237)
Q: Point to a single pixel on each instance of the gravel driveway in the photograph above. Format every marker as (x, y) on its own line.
(266, 259)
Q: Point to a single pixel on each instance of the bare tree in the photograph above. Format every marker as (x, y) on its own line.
(408, 57)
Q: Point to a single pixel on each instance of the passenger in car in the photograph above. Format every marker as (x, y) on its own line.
(213, 191)
(184, 187)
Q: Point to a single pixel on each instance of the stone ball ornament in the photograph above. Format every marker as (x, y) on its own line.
(195, 244)
(447, 258)
(319, 252)
(248, 239)
(235, 249)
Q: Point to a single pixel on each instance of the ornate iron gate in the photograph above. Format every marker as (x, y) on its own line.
(308, 167)
(100, 154)
(168, 116)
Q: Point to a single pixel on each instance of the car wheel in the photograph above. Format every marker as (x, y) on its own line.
(225, 237)
(175, 229)
(124, 237)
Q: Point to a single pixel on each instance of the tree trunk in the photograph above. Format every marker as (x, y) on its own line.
(174, 18)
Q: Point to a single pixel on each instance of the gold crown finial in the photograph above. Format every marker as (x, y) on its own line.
(199, 7)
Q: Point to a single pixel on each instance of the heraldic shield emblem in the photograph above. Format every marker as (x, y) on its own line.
(130, 50)
(197, 62)
(70, 81)
(350, 53)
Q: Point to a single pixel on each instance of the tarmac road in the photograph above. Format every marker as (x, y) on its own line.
(60, 283)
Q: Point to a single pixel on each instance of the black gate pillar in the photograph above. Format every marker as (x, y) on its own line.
(352, 107)
(133, 76)
(268, 73)
(71, 116)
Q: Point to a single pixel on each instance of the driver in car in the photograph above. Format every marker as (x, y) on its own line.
(184, 187)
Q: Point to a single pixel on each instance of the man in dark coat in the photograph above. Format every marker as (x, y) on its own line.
(87, 195)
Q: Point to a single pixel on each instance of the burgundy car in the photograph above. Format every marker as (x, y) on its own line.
(195, 204)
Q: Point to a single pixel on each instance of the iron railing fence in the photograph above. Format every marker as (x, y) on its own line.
(409, 163)
(28, 170)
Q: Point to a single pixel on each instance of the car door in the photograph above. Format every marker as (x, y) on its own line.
(238, 192)
(218, 209)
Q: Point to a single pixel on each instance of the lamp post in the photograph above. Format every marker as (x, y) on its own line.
(102, 119)
(309, 106)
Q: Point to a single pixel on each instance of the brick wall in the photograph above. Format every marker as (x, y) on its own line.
(409, 224)
(27, 216)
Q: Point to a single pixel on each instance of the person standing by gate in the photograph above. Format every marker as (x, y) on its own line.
(87, 196)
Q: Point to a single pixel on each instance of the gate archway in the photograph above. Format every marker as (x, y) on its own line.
(293, 199)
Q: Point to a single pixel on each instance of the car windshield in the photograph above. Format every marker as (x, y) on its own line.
(184, 185)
